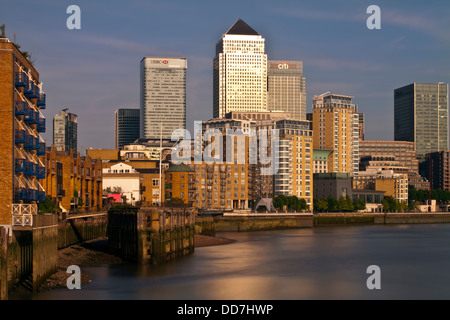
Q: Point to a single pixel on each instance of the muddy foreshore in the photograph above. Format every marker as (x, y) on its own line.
(95, 253)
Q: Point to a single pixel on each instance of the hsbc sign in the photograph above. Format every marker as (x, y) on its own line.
(164, 63)
(159, 61)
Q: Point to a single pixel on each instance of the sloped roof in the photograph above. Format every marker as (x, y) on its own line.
(179, 168)
(240, 27)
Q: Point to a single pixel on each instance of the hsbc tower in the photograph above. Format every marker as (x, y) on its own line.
(163, 96)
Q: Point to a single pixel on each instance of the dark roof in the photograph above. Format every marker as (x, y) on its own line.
(240, 27)
(147, 170)
(179, 168)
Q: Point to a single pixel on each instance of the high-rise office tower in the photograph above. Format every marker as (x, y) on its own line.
(437, 170)
(65, 127)
(163, 96)
(127, 126)
(361, 126)
(421, 116)
(286, 88)
(336, 127)
(240, 71)
(21, 145)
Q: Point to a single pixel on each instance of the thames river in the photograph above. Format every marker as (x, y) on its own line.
(316, 263)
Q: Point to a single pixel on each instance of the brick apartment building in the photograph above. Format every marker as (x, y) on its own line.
(21, 120)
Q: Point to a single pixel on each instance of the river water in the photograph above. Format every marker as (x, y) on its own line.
(317, 263)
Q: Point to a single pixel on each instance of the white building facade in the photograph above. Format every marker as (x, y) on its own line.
(122, 178)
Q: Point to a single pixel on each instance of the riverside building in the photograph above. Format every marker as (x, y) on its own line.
(22, 122)
(336, 128)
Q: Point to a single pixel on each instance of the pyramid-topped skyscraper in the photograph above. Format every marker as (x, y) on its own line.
(240, 27)
(240, 71)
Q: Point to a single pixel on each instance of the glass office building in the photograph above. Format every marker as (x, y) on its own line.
(421, 116)
(65, 131)
(163, 96)
(287, 88)
(127, 126)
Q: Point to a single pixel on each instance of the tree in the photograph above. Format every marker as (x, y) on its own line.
(359, 204)
(345, 204)
(302, 205)
(320, 205)
(279, 201)
(47, 206)
(413, 205)
(333, 204)
(291, 202)
(390, 204)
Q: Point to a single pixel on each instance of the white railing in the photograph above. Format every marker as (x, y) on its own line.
(22, 214)
(19, 209)
(22, 220)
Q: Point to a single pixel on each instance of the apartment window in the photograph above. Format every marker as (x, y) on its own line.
(155, 182)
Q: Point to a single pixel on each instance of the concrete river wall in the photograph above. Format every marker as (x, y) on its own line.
(29, 255)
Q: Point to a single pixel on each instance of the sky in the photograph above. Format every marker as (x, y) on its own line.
(94, 71)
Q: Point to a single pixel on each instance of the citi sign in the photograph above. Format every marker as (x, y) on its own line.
(283, 65)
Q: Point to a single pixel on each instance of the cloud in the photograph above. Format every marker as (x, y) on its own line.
(333, 64)
(317, 15)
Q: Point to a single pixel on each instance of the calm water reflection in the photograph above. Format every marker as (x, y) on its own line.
(319, 263)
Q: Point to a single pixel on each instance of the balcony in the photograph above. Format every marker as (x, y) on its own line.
(24, 220)
(29, 88)
(41, 100)
(40, 174)
(41, 125)
(23, 209)
(31, 91)
(19, 136)
(22, 214)
(19, 193)
(31, 194)
(19, 165)
(30, 168)
(29, 114)
(20, 108)
(28, 141)
(35, 92)
(26, 194)
(41, 195)
(21, 79)
(40, 148)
